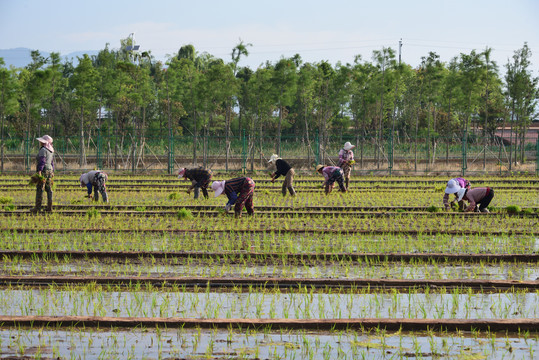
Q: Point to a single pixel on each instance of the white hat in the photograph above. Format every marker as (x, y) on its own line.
(274, 158)
(452, 186)
(45, 139)
(460, 193)
(348, 146)
(181, 173)
(218, 187)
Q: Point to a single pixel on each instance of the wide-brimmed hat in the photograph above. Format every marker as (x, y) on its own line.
(45, 139)
(181, 173)
(218, 187)
(348, 146)
(274, 158)
(318, 167)
(460, 193)
(452, 186)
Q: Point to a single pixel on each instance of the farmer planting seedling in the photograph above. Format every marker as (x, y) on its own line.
(283, 168)
(95, 180)
(200, 179)
(453, 186)
(346, 160)
(44, 173)
(331, 174)
(477, 197)
(240, 192)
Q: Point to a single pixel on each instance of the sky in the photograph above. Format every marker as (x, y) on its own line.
(333, 31)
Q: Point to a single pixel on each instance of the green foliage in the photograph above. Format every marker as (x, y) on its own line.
(433, 208)
(9, 207)
(93, 213)
(6, 200)
(184, 214)
(140, 208)
(513, 209)
(173, 196)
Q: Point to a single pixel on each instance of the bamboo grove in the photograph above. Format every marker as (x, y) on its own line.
(191, 94)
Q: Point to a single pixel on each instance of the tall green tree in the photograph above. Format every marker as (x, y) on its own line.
(8, 102)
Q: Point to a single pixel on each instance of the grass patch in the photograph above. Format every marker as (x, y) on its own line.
(93, 213)
(140, 208)
(433, 208)
(6, 200)
(184, 214)
(513, 209)
(174, 196)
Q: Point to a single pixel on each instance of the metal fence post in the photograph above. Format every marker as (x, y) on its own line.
(464, 158)
(27, 151)
(98, 150)
(317, 142)
(390, 154)
(170, 152)
(537, 157)
(243, 153)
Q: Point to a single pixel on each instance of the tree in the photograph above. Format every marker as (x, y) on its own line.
(84, 83)
(284, 88)
(8, 102)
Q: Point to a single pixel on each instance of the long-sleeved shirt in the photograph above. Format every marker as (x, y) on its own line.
(197, 174)
(233, 187)
(473, 196)
(45, 159)
(282, 168)
(88, 179)
(328, 170)
(463, 183)
(345, 155)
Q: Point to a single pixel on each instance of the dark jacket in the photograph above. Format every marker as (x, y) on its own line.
(282, 168)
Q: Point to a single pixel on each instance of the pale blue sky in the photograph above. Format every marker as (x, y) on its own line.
(318, 30)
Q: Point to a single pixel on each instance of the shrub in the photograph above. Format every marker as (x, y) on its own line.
(93, 213)
(183, 213)
(513, 209)
(6, 200)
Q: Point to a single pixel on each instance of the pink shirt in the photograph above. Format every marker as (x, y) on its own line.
(474, 196)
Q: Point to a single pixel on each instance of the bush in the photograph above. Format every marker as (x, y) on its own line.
(6, 200)
(513, 209)
(93, 213)
(183, 214)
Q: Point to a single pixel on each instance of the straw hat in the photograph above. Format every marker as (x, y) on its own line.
(452, 186)
(218, 187)
(274, 158)
(181, 173)
(318, 167)
(348, 146)
(45, 139)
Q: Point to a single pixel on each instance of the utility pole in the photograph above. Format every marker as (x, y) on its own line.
(400, 47)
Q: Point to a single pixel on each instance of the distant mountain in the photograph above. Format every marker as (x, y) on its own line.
(20, 57)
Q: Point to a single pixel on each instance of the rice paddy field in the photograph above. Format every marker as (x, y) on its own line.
(379, 272)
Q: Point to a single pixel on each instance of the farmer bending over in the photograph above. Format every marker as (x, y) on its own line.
(331, 174)
(240, 193)
(95, 179)
(476, 197)
(283, 168)
(453, 186)
(200, 179)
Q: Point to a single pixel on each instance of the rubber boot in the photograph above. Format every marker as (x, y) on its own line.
(39, 200)
(196, 193)
(49, 205)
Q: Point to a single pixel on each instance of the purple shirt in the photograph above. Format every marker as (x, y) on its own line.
(328, 170)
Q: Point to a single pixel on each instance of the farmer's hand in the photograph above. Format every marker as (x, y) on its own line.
(227, 208)
(188, 191)
(272, 180)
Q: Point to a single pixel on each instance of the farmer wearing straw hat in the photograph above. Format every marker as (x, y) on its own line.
(283, 168)
(95, 179)
(477, 197)
(331, 174)
(200, 179)
(240, 192)
(453, 186)
(45, 172)
(346, 160)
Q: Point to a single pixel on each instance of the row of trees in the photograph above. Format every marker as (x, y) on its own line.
(129, 93)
